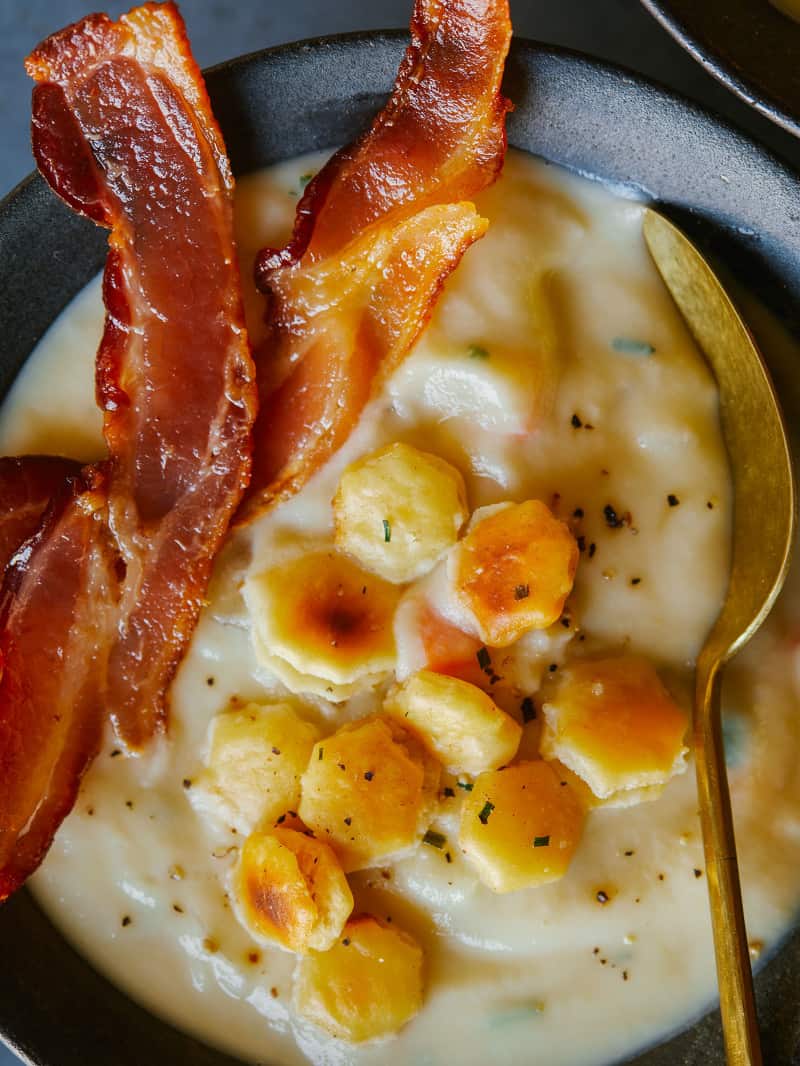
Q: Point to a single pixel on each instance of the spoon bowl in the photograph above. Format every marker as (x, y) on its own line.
(764, 518)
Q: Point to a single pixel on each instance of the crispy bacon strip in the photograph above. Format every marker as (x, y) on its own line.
(377, 233)
(55, 617)
(27, 485)
(123, 131)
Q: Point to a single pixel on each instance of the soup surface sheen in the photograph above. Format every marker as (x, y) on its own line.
(137, 880)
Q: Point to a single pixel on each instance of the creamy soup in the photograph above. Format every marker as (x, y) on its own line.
(616, 954)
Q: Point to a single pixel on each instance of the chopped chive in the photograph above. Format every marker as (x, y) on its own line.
(488, 807)
(522, 592)
(387, 530)
(632, 346)
(305, 179)
(541, 842)
(528, 710)
(466, 785)
(477, 351)
(436, 840)
(484, 659)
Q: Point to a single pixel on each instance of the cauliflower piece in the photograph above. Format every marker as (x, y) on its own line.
(398, 510)
(365, 987)
(520, 826)
(513, 571)
(370, 790)
(612, 722)
(323, 625)
(289, 890)
(461, 724)
(255, 758)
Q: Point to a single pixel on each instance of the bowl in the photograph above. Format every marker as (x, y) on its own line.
(738, 202)
(747, 44)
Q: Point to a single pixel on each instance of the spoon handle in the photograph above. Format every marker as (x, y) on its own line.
(739, 1021)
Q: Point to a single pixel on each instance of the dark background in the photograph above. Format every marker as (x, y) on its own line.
(618, 30)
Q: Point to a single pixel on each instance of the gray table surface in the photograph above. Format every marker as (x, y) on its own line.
(614, 29)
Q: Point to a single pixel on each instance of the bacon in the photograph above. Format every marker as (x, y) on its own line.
(27, 485)
(377, 233)
(123, 131)
(55, 619)
(97, 607)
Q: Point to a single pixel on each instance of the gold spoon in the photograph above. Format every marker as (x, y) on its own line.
(763, 534)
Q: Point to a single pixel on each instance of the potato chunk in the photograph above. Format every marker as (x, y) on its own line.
(290, 890)
(460, 723)
(613, 723)
(367, 986)
(520, 826)
(369, 791)
(398, 510)
(625, 797)
(513, 571)
(255, 758)
(327, 620)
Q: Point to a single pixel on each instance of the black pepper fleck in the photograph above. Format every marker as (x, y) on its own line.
(613, 520)
(673, 500)
(602, 896)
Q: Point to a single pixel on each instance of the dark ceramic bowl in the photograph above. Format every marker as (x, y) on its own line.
(747, 44)
(737, 201)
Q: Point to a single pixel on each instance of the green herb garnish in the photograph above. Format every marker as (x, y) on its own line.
(387, 530)
(477, 351)
(436, 840)
(632, 346)
(541, 842)
(305, 179)
(488, 807)
(466, 785)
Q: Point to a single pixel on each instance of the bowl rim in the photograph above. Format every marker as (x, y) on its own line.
(26, 1040)
(758, 87)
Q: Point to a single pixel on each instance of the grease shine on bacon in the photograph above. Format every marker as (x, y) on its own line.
(377, 233)
(123, 131)
(27, 485)
(97, 608)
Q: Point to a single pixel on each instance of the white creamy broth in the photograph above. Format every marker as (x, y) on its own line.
(136, 879)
